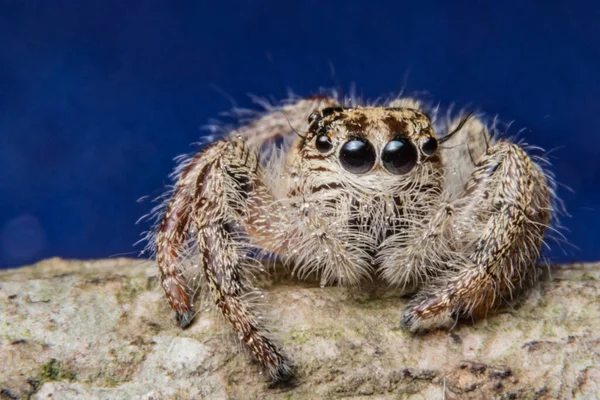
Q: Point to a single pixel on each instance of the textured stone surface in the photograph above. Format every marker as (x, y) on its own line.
(102, 330)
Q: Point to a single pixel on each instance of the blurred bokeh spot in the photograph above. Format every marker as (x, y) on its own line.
(22, 239)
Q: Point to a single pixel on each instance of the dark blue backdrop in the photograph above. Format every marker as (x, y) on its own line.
(97, 97)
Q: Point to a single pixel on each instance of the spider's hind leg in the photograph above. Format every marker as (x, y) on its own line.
(500, 222)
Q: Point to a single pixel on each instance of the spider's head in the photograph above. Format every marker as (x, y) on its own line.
(369, 145)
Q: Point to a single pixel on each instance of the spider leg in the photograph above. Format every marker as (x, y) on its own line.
(211, 200)
(500, 222)
(220, 196)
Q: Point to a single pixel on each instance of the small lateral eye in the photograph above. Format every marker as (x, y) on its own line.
(313, 116)
(327, 111)
(323, 143)
(399, 156)
(429, 146)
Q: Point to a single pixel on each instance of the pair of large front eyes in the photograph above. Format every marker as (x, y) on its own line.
(358, 156)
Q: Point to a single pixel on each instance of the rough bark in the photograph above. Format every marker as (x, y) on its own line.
(103, 330)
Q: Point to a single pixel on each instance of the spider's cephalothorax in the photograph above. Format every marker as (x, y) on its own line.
(360, 192)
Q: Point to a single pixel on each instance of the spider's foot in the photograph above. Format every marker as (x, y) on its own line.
(427, 314)
(185, 318)
(283, 376)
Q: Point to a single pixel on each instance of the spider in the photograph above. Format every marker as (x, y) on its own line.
(395, 192)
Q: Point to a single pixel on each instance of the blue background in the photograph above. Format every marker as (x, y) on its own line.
(97, 97)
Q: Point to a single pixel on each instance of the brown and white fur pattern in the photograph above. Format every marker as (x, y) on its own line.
(463, 226)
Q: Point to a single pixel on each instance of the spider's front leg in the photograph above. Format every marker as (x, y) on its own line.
(220, 193)
(211, 200)
(499, 225)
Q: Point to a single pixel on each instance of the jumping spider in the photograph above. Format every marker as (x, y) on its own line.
(351, 193)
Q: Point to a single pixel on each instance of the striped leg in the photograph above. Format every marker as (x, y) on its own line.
(211, 199)
(501, 220)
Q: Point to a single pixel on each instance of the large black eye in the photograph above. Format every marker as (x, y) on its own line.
(357, 156)
(399, 156)
(429, 146)
(323, 143)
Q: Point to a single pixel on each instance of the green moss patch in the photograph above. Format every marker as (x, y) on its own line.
(54, 370)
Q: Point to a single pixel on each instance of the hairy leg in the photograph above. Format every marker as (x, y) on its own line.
(221, 195)
(500, 222)
(210, 201)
